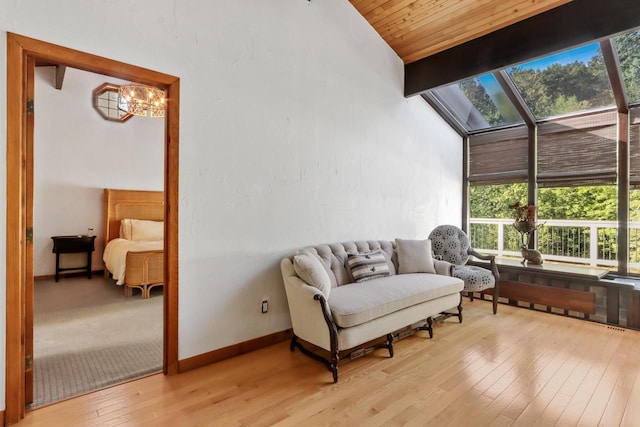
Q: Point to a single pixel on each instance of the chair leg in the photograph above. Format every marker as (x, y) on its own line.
(429, 326)
(495, 299)
(333, 366)
(460, 312)
(470, 295)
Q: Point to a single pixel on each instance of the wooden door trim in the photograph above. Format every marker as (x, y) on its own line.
(28, 255)
(19, 50)
(16, 124)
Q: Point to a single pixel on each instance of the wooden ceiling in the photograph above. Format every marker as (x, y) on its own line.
(416, 29)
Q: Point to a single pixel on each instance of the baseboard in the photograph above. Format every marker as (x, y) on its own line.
(233, 350)
(71, 274)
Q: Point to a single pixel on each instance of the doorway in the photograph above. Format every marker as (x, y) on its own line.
(22, 54)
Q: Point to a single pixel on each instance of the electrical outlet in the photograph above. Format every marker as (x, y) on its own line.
(265, 305)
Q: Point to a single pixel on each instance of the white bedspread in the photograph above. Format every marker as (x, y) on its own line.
(115, 255)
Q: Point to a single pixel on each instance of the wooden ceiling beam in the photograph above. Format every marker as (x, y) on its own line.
(572, 24)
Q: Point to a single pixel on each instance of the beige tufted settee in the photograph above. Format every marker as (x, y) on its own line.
(348, 318)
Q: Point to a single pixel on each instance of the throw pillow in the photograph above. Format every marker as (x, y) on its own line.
(414, 256)
(310, 269)
(367, 266)
(139, 230)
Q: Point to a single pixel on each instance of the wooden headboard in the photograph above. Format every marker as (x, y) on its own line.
(135, 204)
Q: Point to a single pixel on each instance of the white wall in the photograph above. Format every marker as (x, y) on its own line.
(293, 131)
(77, 154)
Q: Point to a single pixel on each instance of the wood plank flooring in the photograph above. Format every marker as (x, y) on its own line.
(518, 368)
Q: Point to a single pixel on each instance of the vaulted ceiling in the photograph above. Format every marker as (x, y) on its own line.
(445, 41)
(416, 29)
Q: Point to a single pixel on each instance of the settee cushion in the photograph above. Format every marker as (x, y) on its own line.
(414, 256)
(367, 266)
(309, 269)
(357, 303)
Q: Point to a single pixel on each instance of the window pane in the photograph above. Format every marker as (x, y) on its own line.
(628, 48)
(478, 103)
(491, 203)
(580, 224)
(597, 203)
(567, 82)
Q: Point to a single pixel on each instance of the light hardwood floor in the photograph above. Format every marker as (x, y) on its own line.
(520, 368)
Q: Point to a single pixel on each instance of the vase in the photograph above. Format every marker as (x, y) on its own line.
(524, 226)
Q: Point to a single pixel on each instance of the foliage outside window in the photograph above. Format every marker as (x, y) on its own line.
(552, 86)
(479, 103)
(587, 203)
(490, 201)
(595, 203)
(628, 49)
(491, 101)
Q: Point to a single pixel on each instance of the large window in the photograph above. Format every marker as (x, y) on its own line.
(564, 110)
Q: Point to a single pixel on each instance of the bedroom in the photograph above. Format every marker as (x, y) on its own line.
(77, 153)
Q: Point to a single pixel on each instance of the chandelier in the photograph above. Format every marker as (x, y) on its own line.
(141, 100)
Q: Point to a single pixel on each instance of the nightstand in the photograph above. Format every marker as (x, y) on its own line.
(73, 244)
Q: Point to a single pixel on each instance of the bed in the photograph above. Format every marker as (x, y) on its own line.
(135, 263)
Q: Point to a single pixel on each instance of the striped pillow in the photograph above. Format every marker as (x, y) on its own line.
(367, 266)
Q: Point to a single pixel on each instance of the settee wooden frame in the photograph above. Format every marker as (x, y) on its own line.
(337, 357)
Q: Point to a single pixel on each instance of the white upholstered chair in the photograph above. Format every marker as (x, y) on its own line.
(451, 244)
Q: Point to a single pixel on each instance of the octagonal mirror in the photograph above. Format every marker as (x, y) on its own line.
(107, 102)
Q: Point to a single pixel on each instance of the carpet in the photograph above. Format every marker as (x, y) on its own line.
(88, 335)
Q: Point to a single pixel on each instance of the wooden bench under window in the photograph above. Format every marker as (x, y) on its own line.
(571, 290)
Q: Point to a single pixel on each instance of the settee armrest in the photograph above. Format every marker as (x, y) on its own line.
(490, 258)
(443, 267)
(309, 312)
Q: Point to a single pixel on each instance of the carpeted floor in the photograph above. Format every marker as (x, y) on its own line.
(88, 335)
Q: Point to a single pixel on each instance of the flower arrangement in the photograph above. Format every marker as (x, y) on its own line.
(525, 217)
(525, 223)
(525, 220)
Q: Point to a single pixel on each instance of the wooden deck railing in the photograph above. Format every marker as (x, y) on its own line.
(559, 240)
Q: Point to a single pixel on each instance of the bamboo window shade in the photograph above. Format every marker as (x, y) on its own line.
(576, 151)
(498, 157)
